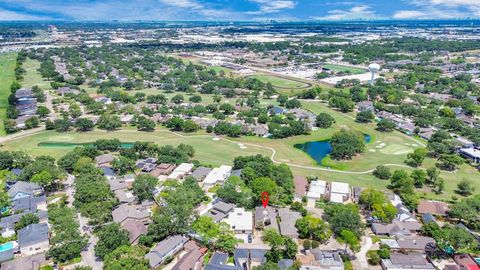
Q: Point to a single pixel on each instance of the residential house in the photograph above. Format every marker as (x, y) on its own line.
(23, 189)
(181, 171)
(240, 221)
(105, 160)
(339, 192)
(165, 249)
(193, 260)
(410, 243)
(427, 218)
(33, 239)
(121, 182)
(399, 261)
(301, 185)
(162, 169)
(249, 258)
(66, 90)
(26, 106)
(127, 118)
(396, 228)
(317, 190)
(276, 110)
(260, 130)
(201, 172)
(472, 154)
(217, 175)
(356, 192)
(266, 218)
(365, 106)
(25, 263)
(135, 229)
(23, 93)
(287, 222)
(135, 212)
(125, 196)
(321, 260)
(220, 211)
(30, 204)
(433, 207)
(218, 261)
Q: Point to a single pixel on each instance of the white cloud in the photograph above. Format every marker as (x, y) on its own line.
(409, 14)
(272, 6)
(356, 12)
(440, 9)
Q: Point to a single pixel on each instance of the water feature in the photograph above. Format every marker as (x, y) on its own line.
(320, 149)
(73, 145)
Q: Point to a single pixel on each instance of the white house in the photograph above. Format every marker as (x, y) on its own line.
(317, 189)
(241, 222)
(217, 175)
(180, 172)
(339, 192)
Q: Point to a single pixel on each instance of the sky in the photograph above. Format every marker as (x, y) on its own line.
(234, 10)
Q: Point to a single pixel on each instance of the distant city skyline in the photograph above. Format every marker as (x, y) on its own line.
(237, 9)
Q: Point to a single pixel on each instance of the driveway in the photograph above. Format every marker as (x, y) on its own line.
(362, 254)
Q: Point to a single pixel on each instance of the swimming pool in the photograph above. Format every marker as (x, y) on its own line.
(6, 246)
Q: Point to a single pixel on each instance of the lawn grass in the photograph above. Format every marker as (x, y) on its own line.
(281, 83)
(338, 68)
(7, 75)
(33, 77)
(207, 150)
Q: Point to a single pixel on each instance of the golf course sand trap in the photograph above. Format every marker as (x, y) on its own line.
(396, 149)
(242, 146)
(216, 139)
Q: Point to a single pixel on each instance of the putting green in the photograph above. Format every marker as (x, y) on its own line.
(395, 149)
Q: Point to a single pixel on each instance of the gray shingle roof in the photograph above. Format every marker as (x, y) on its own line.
(162, 249)
(23, 187)
(33, 234)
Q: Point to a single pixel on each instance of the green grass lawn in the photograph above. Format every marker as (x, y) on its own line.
(33, 77)
(7, 75)
(278, 82)
(338, 68)
(206, 149)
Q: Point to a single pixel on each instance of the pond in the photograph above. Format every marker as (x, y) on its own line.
(320, 149)
(73, 145)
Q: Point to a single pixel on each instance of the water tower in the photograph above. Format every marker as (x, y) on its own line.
(374, 68)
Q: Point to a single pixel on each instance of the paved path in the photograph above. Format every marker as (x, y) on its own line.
(88, 255)
(362, 254)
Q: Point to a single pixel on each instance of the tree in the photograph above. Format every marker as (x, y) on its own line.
(145, 124)
(365, 116)
(43, 178)
(382, 172)
(195, 99)
(123, 165)
(450, 162)
(419, 177)
(62, 125)
(293, 103)
(26, 220)
(310, 227)
(416, 158)
(385, 125)
(110, 237)
(377, 201)
(433, 174)
(32, 122)
(144, 186)
(346, 144)
(126, 257)
(109, 122)
(344, 217)
(324, 120)
(280, 246)
(465, 187)
(351, 240)
(84, 124)
(177, 99)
